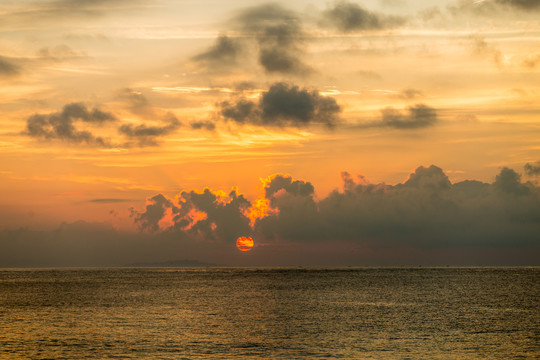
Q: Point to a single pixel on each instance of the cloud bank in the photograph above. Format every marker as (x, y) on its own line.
(426, 215)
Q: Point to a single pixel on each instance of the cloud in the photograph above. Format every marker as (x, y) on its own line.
(59, 53)
(362, 222)
(96, 244)
(283, 105)
(295, 213)
(146, 135)
(66, 125)
(426, 211)
(210, 215)
(279, 35)
(351, 17)
(154, 212)
(224, 52)
(410, 94)
(416, 117)
(62, 125)
(492, 7)
(508, 181)
(207, 125)
(520, 4)
(8, 68)
(532, 169)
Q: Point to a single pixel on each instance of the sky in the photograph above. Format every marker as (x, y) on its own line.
(334, 133)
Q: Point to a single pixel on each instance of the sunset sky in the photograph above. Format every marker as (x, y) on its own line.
(376, 132)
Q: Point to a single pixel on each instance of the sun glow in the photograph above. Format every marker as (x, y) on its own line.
(244, 243)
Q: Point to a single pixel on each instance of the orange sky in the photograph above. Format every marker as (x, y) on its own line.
(106, 104)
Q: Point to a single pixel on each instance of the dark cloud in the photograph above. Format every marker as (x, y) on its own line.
(284, 105)
(225, 52)
(508, 181)
(207, 125)
(296, 213)
(66, 125)
(154, 212)
(479, 223)
(279, 35)
(432, 178)
(94, 244)
(417, 116)
(207, 214)
(532, 169)
(241, 111)
(426, 211)
(8, 68)
(489, 8)
(146, 135)
(351, 17)
(521, 4)
(62, 125)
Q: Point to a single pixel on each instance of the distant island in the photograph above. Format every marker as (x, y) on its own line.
(171, 263)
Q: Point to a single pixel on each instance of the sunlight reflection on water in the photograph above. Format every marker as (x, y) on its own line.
(219, 313)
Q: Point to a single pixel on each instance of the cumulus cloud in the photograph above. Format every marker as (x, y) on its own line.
(63, 125)
(283, 105)
(425, 211)
(211, 215)
(351, 17)
(295, 214)
(146, 135)
(8, 68)
(415, 117)
(495, 223)
(508, 181)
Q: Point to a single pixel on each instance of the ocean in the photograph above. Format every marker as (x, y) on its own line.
(270, 313)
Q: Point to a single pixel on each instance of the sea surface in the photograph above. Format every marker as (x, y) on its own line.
(270, 313)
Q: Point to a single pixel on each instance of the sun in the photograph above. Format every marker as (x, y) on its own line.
(244, 243)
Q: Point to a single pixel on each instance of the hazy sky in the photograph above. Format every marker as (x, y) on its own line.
(333, 133)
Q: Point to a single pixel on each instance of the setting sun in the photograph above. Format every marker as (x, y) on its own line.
(244, 243)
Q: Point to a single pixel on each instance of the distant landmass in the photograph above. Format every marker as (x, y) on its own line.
(172, 263)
